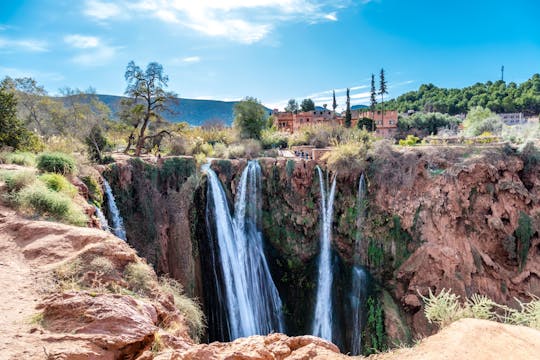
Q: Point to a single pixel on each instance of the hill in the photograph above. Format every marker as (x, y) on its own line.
(498, 96)
(192, 111)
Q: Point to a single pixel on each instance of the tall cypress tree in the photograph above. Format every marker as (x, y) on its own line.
(348, 117)
(382, 91)
(373, 102)
(334, 104)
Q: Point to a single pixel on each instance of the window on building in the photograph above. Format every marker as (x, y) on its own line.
(379, 122)
(391, 122)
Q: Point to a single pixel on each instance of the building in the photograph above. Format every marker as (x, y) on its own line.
(290, 122)
(513, 118)
(386, 124)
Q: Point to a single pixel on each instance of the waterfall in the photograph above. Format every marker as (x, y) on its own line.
(358, 293)
(322, 322)
(117, 223)
(102, 219)
(249, 295)
(357, 298)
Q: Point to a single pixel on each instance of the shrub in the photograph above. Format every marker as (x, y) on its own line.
(411, 140)
(177, 146)
(271, 138)
(42, 201)
(95, 192)
(190, 308)
(56, 162)
(101, 265)
(58, 183)
(246, 149)
(347, 158)
(18, 158)
(139, 277)
(221, 150)
(17, 180)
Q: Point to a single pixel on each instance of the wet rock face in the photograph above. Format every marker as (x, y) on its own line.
(465, 219)
(157, 204)
(475, 226)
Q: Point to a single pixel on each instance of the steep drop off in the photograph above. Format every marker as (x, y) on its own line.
(465, 219)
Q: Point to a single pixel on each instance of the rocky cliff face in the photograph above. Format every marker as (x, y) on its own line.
(463, 219)
(157, 204)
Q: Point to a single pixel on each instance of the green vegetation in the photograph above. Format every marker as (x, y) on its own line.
(445, 308)
(190, 308)
(427, 123)
(38, 199)
(348, 116)
(58, 183)
(13, 133)
(497, 96)
(374, 332)
(480, 120)
(271, 138)
(18, 158)
(292, 106)
(349, 158)
(49, 196)
(249, 118)
(139, 277)
(147, 100)
(307, 105)
(56, 163)
(523, 234)
(411, 140)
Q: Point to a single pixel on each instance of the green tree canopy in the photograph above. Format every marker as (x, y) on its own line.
(480, 120)
(292, 106)
(307, 105)
(249, 118)
(147, 88)
(430, 123)
(497, 96)
(12, 131)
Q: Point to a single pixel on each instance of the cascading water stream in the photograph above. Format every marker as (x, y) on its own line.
(116, 223)
(102, 219)
(358, 276)
(322, 321)
(249, 295)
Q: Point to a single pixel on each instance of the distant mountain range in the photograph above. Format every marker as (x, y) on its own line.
(194, 112)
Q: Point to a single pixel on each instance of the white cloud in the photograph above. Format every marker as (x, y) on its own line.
(191, 59)
(245, 21)
(82, 42)
(30, 45)
(331, 16)
(93, 52)
(101, 10)
(97, 57)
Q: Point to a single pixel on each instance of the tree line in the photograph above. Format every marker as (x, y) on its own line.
(498, 96)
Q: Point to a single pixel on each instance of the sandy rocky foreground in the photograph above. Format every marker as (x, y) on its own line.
(83, 325)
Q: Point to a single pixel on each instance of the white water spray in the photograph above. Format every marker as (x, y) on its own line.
(251, 297)
(322, 322)
(117, 223)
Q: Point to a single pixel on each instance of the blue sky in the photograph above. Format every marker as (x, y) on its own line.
(271, 49)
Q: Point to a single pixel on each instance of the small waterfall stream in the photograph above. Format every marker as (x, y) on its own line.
(359, 285)
(246, 291)
(102, 219)
(116, 223)
(322, 321)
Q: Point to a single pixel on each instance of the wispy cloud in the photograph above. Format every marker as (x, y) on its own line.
(81, 41)
(191, 59)
(36, 74)
(101, 10)
(244, 21)
(30, 45)
(93, 52)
